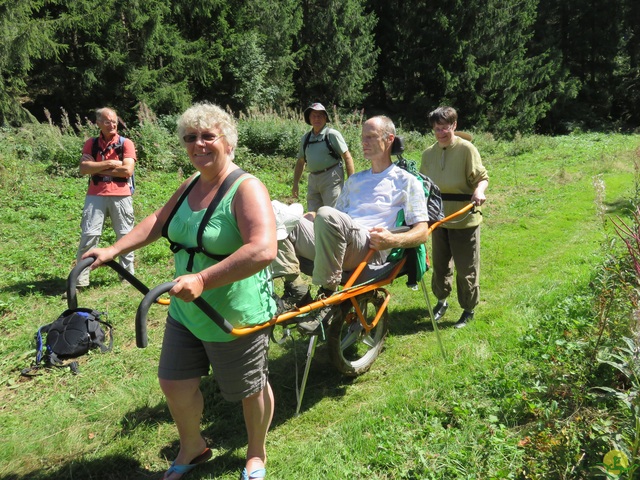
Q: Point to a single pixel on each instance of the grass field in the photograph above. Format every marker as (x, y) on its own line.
(499, 405)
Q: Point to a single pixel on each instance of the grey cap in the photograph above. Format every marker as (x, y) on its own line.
(318, 107)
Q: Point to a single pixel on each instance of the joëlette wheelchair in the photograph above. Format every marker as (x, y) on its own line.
(358, 325)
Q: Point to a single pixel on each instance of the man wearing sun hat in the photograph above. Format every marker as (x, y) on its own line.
(325, 154)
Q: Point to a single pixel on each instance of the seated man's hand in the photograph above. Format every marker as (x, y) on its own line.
(381, 239)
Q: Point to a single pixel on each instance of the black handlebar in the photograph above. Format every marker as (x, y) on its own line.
(152, 296)
(72, 280)
(143, 309)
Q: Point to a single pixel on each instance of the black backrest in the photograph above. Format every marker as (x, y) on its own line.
(398, 146)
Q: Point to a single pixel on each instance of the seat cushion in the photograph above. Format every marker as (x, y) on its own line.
(369, 274)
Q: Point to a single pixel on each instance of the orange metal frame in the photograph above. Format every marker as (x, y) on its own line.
(349, 292)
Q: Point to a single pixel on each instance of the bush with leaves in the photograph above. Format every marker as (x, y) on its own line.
(156, 147)
(269, 134)
(626, 360)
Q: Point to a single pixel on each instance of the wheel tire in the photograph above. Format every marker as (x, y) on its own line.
(351, 349)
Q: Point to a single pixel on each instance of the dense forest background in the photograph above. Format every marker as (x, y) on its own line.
(508, 66)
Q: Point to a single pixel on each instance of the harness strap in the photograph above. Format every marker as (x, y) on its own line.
(119, 148)
(307, 142)
(39, 343)
(104, 348)
(176, 247)
(119, 145)
(165, 227)
(31, 371)
(192, 251)
(100, 178)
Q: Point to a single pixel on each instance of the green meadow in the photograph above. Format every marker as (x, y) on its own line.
(520, 394)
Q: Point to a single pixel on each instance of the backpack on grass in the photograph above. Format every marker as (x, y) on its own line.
(72, 334)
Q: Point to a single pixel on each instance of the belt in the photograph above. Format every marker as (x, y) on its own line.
(327, 169)
(100, 178)
(456, 197)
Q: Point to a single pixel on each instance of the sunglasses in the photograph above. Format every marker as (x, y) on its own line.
(206, 137)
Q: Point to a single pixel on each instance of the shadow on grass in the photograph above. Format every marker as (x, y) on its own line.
(49, 286)
(120, 467)
(54, 286)
(417, 320)
(112, 467)
(223, 422)
(622, 207)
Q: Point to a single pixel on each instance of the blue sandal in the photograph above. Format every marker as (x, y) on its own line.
(182, 469)
(255, 475)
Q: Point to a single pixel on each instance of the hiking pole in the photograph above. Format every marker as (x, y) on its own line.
(433, 318)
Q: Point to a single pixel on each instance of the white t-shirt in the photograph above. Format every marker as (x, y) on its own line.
(374, 199)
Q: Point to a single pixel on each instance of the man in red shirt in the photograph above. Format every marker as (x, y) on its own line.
(110, 164)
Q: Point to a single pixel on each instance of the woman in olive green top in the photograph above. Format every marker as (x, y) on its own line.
(239, 243)
(455, 166)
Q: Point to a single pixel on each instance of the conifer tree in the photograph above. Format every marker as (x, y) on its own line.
(260, 60)
(472, 55)
(26, 35)
(338, 53)
(121, 53)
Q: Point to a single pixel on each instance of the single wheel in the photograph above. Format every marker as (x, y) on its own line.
(351, 348)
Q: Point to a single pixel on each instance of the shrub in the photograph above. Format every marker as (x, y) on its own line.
(279, 132)
(156, 147)
(270, 135)
(13, 145)
(63, 156)
(415, 140)
(45, 143)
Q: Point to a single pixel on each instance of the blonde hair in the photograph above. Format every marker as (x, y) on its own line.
(205, 115)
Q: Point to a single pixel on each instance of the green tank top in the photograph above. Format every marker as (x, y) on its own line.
(243, 303)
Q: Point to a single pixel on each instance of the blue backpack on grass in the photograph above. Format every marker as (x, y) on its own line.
(71, 335)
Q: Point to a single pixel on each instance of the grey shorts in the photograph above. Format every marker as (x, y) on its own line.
(240, 367)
